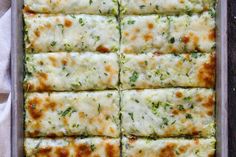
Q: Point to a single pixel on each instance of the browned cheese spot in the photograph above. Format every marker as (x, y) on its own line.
(126, 34)
(212, 35)
(53, 60)
(34, 109)
(112, 150)
(209, 104)
(211, 155)
(62, 152)
(133, 37)
(175, 112)
(64, 62)
(111, 72)
(148, 37)
(83, 150)
(199, 98)
(195, 131)
(137, 30)
(42, 77)
(35, 133)
(195, 40)
(50, 104)
(44, 152)
(52, 135)
(150, 25)
(206, 74)
(37, 33)
(28, 10)
(28, 86)
(178, 94)
(48, 26)
(185, 39)
(102, 49)
(184, 148)
(168, 151)
(67, 23)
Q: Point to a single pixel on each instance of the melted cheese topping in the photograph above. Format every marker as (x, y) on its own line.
(72, 6)
(168, 112)
(47, 33)
(71, 71)
(67, 114)
(72, 147)
(168, 148)
(168, 34)
(165, 6)
(153, 71)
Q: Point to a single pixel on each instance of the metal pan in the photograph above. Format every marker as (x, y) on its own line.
(17, 71)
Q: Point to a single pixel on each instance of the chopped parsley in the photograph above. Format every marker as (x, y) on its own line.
(130, 22)
(165, 120)
(189, 116)
(180, 107)
(92, 147)
(131, 115)
(142, 6)
(134, 77)
(194, 55)
(187, 98)
(172, 40)
(109, 95)
(81, 22)
(53, 43)
(62, 27)
(68, 111)
(99, 108)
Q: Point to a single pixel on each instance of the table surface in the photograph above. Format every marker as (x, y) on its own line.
(232, 76)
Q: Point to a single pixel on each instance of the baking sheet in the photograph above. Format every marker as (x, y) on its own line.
(17, 72)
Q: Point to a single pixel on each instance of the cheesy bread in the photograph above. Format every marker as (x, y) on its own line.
(169, 70)
(168, 147)
(72, 147)
(72, 114)
(72, 6)
(53, 33)
(71, 71)
(140, 7)
(168, 34)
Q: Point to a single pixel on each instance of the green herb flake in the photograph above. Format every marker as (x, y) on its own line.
(146, 63)
(172, 40)
(130, 22)
(180, 107)
(165, 120)
(90, 2)
(194, 55)
(92, 147)
(68, 111)
(189, 116)
(134, 77)
(131, 115)
(187, 98)
(81, 22)
(99, 108)
(142, 6)
(53, 43)
(109, 95)
(73, 16)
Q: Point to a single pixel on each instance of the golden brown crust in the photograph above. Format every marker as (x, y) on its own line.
(206, 74)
